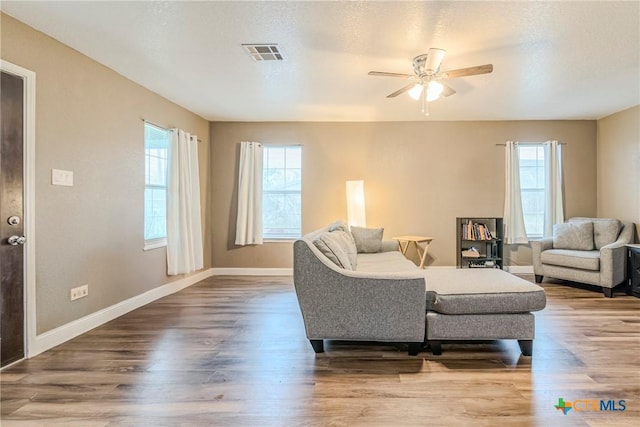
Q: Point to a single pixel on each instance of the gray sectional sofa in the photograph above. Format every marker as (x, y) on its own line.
(585, 250)
(376, 294)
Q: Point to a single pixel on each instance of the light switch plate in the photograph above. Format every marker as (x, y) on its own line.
(61, 177)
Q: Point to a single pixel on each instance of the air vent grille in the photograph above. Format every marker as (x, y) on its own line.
(264, 52)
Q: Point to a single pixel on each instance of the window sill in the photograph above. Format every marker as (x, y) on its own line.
(154, 244)
(279, 240)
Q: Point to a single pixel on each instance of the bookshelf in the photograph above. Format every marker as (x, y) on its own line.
(479, 242)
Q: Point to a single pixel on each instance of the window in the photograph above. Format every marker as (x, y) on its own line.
(532, 187)
(282, 192)
(156, 150)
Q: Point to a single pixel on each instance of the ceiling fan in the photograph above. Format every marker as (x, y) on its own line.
(424, 82)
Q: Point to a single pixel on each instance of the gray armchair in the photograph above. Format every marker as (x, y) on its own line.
(572, 254)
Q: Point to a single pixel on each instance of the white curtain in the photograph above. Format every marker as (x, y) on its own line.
(184, 229)
(514, 231)
(554, 212)
(249, 219)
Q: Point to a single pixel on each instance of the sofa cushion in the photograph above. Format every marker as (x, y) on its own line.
(338, 246)
(385, 262)
(573, 235)
(605, 230)
(368, 240)
(481, 291)
(584, 260)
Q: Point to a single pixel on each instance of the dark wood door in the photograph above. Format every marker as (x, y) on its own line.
(11, 206)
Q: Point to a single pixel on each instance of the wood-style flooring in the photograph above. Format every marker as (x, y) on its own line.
(231, 351)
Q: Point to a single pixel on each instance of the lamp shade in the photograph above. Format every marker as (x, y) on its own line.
(355, 204)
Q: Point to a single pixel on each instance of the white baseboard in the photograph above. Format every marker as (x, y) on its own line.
(519, 269)
(57, 336)
(232, 271)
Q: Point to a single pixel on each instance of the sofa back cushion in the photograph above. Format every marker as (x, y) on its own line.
(605, 230)
(368, 240)
(339, 247)
(576, 235)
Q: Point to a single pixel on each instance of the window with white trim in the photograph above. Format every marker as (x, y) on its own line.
(282, 192)
(156, 153)
(532, 187)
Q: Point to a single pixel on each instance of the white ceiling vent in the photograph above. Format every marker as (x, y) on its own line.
(264, 52)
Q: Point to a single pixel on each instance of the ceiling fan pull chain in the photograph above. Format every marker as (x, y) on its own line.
(425, 104)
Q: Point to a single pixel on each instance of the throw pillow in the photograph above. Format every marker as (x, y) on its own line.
(335, 246)
(605, 230)
(368, 240)
(339, 225)
(573, 235)
(349, 244)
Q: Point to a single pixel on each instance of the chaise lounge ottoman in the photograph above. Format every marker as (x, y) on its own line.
(480, 304)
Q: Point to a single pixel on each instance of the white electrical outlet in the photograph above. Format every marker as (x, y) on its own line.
(79, 292)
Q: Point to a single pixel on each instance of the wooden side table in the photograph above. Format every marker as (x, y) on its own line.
(405, 241)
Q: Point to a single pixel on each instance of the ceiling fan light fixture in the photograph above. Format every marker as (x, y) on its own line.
(434, 90)
(434, 59)
(415, 91)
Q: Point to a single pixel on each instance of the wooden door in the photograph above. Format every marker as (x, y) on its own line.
(11, 219)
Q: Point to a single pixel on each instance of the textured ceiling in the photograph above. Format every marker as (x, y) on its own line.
(552, 60)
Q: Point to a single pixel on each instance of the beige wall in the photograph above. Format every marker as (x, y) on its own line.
(88, 120)
(419, 176)
(619, 166)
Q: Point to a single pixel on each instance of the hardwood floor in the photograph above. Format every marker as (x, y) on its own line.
(232, 351)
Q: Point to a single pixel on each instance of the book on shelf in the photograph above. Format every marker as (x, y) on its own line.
(475, 231)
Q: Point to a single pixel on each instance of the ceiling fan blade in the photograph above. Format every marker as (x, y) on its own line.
(383, 74)
(401, 91)
(446, 91)
(464, 72)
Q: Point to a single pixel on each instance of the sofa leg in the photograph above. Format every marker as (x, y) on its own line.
(414, 348)
(318, 345)
(436, 347)
(526, 347)
(608, 292)
(538, 278)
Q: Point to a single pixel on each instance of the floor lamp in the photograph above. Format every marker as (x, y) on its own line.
(355, 204)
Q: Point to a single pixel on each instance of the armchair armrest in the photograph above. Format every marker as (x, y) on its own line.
(537, 247)
(613, 258)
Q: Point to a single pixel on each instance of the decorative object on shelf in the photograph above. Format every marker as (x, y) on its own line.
(479, 242)
(471, 253)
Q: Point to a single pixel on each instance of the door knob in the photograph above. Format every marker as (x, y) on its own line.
(13, 220)
(16, 240)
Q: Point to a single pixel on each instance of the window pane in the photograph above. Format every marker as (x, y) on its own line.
(282, 186)
(156, 151)
(293, 158)
(528, 177)
(273, 179)
(274, 157)
(155, 213)
(532, 185)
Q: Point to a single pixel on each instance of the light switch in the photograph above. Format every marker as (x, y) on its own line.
(61, 177)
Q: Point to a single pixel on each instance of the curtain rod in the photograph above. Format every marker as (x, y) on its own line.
(533, 143)
(159, 126)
